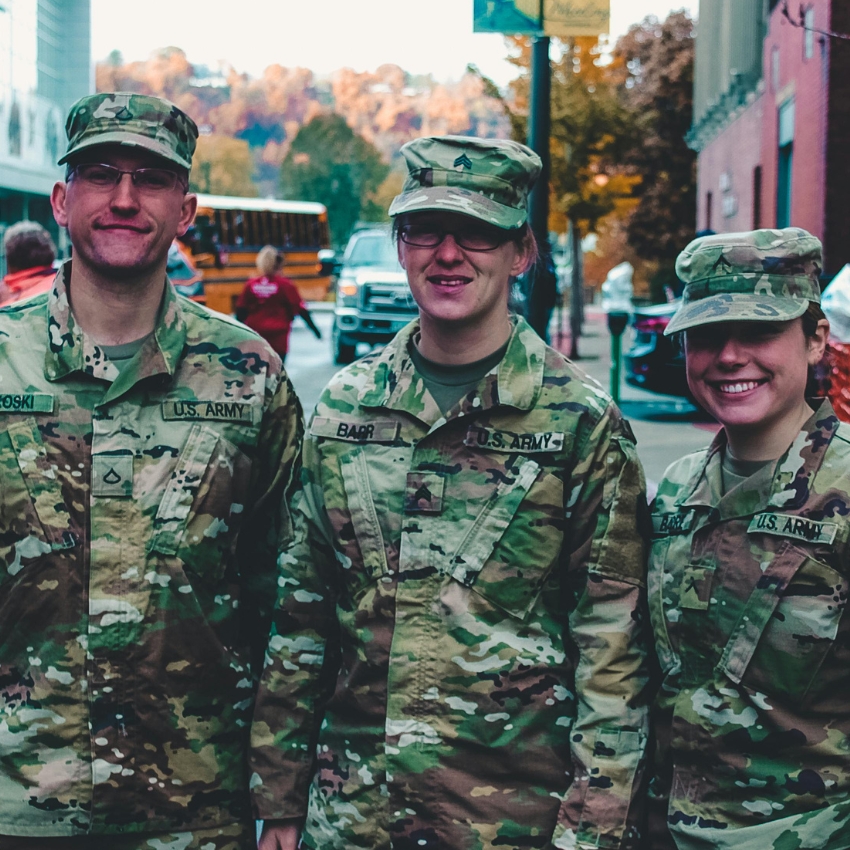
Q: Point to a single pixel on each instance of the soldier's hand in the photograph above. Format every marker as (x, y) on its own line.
(279, 835)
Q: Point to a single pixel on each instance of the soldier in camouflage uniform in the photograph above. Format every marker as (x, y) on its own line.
(145, 445)
(748, 576)
(458, 655)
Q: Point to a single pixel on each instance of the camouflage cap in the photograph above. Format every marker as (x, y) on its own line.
(137, 120)
(757, 276)
(488, 179)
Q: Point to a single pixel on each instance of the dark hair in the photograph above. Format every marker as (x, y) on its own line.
(28, 245)
(523, 238)
(811, 317)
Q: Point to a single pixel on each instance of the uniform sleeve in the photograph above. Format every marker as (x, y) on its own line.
(301, 659)
(609, 632)
(267, 523)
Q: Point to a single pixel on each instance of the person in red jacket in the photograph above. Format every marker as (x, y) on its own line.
(30, 253)
(268, 304)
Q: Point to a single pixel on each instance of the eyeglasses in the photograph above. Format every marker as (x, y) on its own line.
(98, 175)
(469, 238)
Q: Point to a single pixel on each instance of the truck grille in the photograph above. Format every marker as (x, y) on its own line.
(386, 298)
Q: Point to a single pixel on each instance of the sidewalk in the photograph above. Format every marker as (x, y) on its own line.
(666, 427)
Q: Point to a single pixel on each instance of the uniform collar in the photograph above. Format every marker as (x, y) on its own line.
(785, 484)
(70, 350)
(394, 383)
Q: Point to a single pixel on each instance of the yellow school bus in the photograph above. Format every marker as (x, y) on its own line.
(228, 233)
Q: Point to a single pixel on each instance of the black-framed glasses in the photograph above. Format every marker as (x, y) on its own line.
(470, 238)
(99, 175)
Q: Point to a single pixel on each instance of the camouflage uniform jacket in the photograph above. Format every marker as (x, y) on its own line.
(134, 611)
(462, 614)
(747, 597)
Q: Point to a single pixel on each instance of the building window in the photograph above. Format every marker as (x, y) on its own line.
(775, 68)
(809, 49)
(786, 164)
(757, 197)
(708, 204)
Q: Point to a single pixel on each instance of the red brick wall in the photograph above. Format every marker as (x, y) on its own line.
(726, 169)
(805, 80)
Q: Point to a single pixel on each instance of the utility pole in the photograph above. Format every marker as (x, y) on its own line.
(543, 288)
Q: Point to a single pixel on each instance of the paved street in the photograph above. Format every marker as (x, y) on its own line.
(666, 427)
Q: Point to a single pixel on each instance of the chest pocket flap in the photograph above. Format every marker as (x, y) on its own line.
(173, 514)
(364, 517)
(488, 527)
(42, 482)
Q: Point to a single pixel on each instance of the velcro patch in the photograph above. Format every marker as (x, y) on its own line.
(112, 475)
(669, 525)
(796, 527)
(224, 411)
(26, 402)
(355, 431)
(507, 441)
(424, 493)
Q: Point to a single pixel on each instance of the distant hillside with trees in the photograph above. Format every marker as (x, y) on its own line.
(386, 108)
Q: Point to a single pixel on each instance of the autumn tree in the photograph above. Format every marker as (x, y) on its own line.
(223, 166)
(656, 62)
(329, 163)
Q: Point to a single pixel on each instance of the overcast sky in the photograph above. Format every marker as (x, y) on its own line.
(422, 36)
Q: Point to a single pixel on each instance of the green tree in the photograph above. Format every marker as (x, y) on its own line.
(329, 163)
(223, 166)
(656, 79)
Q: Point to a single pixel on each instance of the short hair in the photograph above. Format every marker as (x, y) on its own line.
(269, 260)
(28, 245)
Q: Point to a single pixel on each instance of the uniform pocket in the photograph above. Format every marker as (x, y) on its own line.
(33, 521)
(516, 537)
(203, 505)
(799, 627)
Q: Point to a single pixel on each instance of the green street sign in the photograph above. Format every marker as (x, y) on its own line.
(514, 17)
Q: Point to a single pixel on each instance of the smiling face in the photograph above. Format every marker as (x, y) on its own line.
(751, 376)
(121, 232)
(457, 287)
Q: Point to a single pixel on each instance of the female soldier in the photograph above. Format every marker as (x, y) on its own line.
(749, 570)
(458, 654)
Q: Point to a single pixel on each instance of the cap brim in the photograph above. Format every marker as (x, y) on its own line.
(735, 307)
(130, 140)
(462, 201)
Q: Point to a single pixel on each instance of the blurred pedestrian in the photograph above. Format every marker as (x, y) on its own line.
(30, 252)
(268, 304)
(145, 446)
(458, 657)
(748, 575)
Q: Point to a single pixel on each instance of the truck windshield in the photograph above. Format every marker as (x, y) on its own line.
(373, 251)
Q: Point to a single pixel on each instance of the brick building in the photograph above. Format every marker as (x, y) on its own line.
(772, 119)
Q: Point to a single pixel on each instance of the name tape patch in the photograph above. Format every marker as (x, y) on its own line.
(507, 441)
(796, 527)
(26, 402)
(668, 525)
(224, 411)
(376, 431)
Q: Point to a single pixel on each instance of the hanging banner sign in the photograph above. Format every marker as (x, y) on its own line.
(568, 18)
(512, 17)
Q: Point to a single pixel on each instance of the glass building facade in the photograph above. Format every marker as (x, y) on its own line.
(45, 65)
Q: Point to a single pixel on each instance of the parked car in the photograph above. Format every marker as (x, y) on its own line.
(373, 299)
(656, 362)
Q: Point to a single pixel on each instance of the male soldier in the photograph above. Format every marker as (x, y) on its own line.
(145, 446)
(458, 660)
